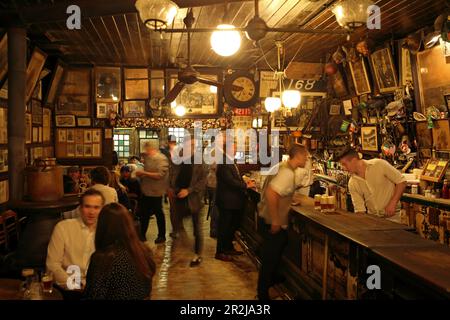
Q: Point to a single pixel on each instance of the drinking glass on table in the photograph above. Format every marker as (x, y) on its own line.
(47, 282)
(27, 275)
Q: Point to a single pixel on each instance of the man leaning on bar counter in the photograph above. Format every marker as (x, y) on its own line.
(375, 186)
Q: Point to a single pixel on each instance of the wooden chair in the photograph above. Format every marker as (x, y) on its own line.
(12, 225)
(3, 234)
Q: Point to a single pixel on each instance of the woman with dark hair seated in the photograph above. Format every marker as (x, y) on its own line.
(121, 267)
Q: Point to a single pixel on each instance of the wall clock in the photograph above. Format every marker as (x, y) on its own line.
(240, 89)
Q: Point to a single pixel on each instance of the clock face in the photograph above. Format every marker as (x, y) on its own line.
(248, 89)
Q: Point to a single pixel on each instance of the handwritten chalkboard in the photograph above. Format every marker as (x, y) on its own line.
(434, 170)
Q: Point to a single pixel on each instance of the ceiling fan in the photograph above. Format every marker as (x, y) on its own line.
(188, 75)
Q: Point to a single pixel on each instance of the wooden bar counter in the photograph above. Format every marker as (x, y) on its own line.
(328, 255)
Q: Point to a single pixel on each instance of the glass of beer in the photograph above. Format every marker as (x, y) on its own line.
(332, 204)
(47, 282)
(323, 204)
(317, 198)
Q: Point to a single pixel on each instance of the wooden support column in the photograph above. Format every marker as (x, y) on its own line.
(17, 61)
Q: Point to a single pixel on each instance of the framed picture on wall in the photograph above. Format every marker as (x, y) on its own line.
(335, 109)
(107, 84)
(75, 92)
(65, 121)
(447, 102)
(70, 135)
(406, 78)
(34, 69)
(157, 84)
(369, 138)
(384, 69)
(441, 135)
(105, 109)
(28, 128)
(136, 83)
(197, 98)
(360, 77)
(134, 109)
(4, 160)
(3, 58)
(84, 122)
(37, 112)
(423, 135)
(55, 83)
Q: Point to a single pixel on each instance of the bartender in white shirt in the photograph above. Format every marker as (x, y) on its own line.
(72, 241)
(375, 186)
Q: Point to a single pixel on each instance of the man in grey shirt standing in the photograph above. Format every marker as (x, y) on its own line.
(154, 184)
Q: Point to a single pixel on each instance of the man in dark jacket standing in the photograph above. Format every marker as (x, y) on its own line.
(187, 187)
(230, 199)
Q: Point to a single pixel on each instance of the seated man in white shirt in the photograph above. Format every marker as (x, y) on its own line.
(100, 179)
(375, 186)
(72, 241)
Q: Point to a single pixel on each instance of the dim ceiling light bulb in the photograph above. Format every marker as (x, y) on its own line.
(213, 89)
(180, 111)
(272, 104)
(226, 42)
(173, 104)
(291, 98)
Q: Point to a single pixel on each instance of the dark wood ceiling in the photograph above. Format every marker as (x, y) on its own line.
(119, 37)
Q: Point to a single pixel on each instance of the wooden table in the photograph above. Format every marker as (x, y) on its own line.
(10, 290)
(67, 203)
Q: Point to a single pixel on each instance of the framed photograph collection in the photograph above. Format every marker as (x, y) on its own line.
(78, 143)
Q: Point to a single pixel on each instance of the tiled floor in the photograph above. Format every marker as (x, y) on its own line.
(211, 280)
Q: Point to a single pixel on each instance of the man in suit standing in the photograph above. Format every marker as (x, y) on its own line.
(230, 199)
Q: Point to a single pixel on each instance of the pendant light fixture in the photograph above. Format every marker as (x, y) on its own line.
(289, 98)
(156, 14)
(225, 41)
(352, 14)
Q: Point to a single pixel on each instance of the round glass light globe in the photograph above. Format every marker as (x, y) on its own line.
(227, 42)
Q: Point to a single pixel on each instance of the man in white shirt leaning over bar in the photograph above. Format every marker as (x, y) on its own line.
(375, 186)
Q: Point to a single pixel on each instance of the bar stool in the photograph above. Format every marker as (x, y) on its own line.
(12, 225)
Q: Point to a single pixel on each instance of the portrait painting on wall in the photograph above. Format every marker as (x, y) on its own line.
(107, 84)
(384, 69)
